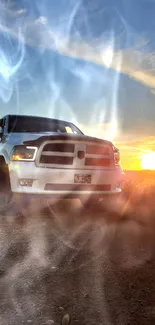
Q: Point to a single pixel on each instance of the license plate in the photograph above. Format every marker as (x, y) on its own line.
(82, 179)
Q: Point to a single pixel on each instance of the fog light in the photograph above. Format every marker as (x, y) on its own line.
(26, 182)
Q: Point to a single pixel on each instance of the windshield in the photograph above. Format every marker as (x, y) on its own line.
(40, 125)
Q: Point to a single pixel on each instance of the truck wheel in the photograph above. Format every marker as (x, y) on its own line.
(5, 189)
(5, 200)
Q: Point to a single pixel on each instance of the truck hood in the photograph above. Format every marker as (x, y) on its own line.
(35, 139)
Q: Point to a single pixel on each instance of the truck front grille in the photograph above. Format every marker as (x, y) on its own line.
(97, 150)
(98, 162)
(57, 160)
(77, 155)
(59, 147)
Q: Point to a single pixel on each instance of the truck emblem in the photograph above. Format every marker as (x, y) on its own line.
(81, 154)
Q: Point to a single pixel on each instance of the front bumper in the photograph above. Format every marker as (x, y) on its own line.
(62, 181)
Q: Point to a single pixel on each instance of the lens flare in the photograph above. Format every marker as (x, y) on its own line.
(107, 56)
(11, 59)
(148, 160)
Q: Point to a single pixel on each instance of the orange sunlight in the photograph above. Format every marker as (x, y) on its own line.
(135, 154)
(148, 160)
(134, 151)
(137, 160)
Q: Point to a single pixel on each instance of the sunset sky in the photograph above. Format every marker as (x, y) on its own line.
(91, 62)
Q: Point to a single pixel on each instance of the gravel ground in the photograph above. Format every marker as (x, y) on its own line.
(64, 264)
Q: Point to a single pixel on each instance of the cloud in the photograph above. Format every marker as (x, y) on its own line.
(136, 64)
(37, 32)
(19, 12)
(141, 145)
(41, 20)
(107, 131)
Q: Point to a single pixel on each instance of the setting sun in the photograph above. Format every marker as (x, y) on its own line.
(148, 160)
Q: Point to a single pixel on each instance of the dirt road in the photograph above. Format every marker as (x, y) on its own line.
(63, 264)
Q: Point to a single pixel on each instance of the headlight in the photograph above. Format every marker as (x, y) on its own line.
(117, 158)
(24, 153)
(116, 155)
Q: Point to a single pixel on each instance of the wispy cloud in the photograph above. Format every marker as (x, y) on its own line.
(38, 32)
(102, 130)
(136, 64)
(143, 143)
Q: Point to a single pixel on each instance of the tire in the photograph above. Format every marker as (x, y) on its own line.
(5, 189)
(5, 201)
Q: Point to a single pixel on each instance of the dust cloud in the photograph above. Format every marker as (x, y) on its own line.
(94, 265)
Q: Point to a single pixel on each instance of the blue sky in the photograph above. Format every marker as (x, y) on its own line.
(90, 61)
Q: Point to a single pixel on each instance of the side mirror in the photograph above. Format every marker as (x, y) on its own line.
(1, 132)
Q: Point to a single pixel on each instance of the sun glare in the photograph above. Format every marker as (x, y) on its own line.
(148, 160)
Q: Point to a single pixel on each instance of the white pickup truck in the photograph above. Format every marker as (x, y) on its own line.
(48, 157)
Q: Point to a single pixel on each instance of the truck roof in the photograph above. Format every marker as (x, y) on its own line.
(34, 116)
(40, 117)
